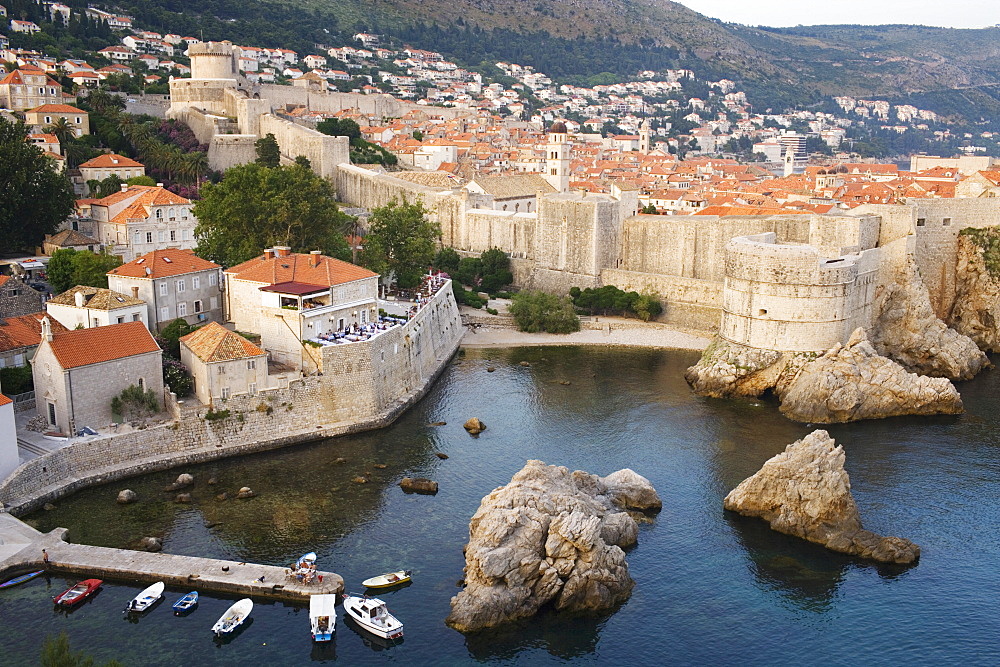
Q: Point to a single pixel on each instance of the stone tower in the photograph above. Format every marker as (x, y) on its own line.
(213, 60)
(645, 137)
(557, 157)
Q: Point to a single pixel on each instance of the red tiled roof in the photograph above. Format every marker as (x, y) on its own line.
(111, 160)
(214, 342)
(163, 264)
(56, 108)
(83, 347)
(296, 267)
(23, 331)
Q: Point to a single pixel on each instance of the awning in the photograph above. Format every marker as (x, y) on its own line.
(28, 264)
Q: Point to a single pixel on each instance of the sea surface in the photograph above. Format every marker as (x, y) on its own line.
(711, 588)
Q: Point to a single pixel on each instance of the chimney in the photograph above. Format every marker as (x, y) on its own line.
(79, 298)
(135, 292)
(124, 187)
(269, 253)
(282, 250)
(314, 257)
(46, 329)
(159, 185)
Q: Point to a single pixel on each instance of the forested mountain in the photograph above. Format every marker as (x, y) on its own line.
(577, 40)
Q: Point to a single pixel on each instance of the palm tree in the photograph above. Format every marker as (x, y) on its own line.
(62, 129)
(196, 164)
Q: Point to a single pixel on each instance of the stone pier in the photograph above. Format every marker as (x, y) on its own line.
(21, 551)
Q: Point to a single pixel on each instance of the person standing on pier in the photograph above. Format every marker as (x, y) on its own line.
(45, 557)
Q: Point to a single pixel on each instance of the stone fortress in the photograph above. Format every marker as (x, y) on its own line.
(777, 289)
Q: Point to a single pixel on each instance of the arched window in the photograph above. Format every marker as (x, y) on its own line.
(159, 214)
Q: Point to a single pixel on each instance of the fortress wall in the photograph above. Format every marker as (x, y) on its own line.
(368, 189)
(202, 125)
(687, 302)
(324, 152)
(207, 94)
(512, 232)
(790, 298)
(385, 106)
(577, 234)
(835, 235)
(230, 150)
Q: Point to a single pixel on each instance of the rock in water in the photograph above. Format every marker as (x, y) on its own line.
(853, 382)
(182, 498)
(630, 490)
(550, 536)
(126, 496)
(976, 311)
(245, 492)
(151, 544)
(182, 481)
(475, 426)
(418, 485)
(805, 492)
(727, 370)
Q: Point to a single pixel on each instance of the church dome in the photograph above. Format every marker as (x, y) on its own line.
(558, 127)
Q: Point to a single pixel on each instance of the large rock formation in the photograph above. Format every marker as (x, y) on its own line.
(550, 536)
(805, 492)
(853, 382)
(976, 310)
(726, 370)
(909, 332)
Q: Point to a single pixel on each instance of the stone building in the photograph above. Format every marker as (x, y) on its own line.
(69, 238)
(77, 373)
(84, 307)
(20, 336)
(16, 298)
(143, 218)
(291, 297)
(103, 166)
(223, 363)
(514, 192)
(174, 284)
(46, 114)
(29, 87)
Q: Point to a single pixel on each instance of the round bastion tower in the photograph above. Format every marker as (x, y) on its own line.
(213, 60)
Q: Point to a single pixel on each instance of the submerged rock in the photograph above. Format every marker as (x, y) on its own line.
(182, 498)
(805, 491)
(853, 382)
(245, 492)
(126, 496)
(548, 537)
(474, 426)
(183, 480)
(418, 485)
(151, 544)
(441, 455)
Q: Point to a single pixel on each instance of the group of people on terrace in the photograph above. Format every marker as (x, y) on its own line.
(358, 332)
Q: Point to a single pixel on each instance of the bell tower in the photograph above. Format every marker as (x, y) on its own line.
(557, 157)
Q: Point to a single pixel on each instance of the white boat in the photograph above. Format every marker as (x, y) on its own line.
(388, 580)
(234, 617)
(309, 558)
(372, 615)
(146, 599)
(323, 617)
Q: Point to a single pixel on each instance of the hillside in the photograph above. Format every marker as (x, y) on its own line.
(575, 39)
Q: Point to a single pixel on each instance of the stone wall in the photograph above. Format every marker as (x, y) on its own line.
(359, 391)
(324, 152)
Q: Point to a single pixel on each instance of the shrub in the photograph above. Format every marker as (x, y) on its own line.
(492, 311)
(536, 311)
(169, 338)
(216, 415)
(609, 300)
(16, 380)
(134, 403)
(177, 377)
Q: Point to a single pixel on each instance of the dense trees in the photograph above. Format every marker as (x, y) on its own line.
(34, 198)
(536, 311)
(257, 207)
(268, 153)
(609, 300)
(362, 152)
(400, 242)
(68, 268)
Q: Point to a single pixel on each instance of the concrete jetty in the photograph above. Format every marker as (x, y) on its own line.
(21, 551)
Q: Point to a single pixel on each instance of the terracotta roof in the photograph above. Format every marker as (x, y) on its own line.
(111, 160)
(513, 185)
(163, 264)
(149, 195)
(70, 237)
(296, 267)
(83, 347)
(3, 279)
(95, 298)
(214, 342)
(24, 331)
(4, 400)
(56, 108)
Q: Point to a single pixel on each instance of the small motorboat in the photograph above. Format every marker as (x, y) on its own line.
(78, 592)
(306, 559)
(233, 618)
(322, 617)
(146, 599)
(372, 615)
(20, 580)
(388, 580)
(186, 603)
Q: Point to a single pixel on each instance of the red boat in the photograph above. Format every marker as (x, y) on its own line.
(78, 593)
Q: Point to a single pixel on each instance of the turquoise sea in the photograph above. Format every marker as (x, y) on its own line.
(711, 588)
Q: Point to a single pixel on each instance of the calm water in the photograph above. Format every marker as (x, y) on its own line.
(711, 588)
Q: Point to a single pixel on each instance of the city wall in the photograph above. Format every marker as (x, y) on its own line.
(324, 152)
(365, 386)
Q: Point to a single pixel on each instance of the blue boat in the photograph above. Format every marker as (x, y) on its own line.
(186, 603)
(20, 580)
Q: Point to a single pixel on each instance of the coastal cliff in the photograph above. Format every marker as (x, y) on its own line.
(805, 491)
(550, 537)
(853, 382)
(976, 311)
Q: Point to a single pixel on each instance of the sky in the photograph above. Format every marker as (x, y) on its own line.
(781, 13)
